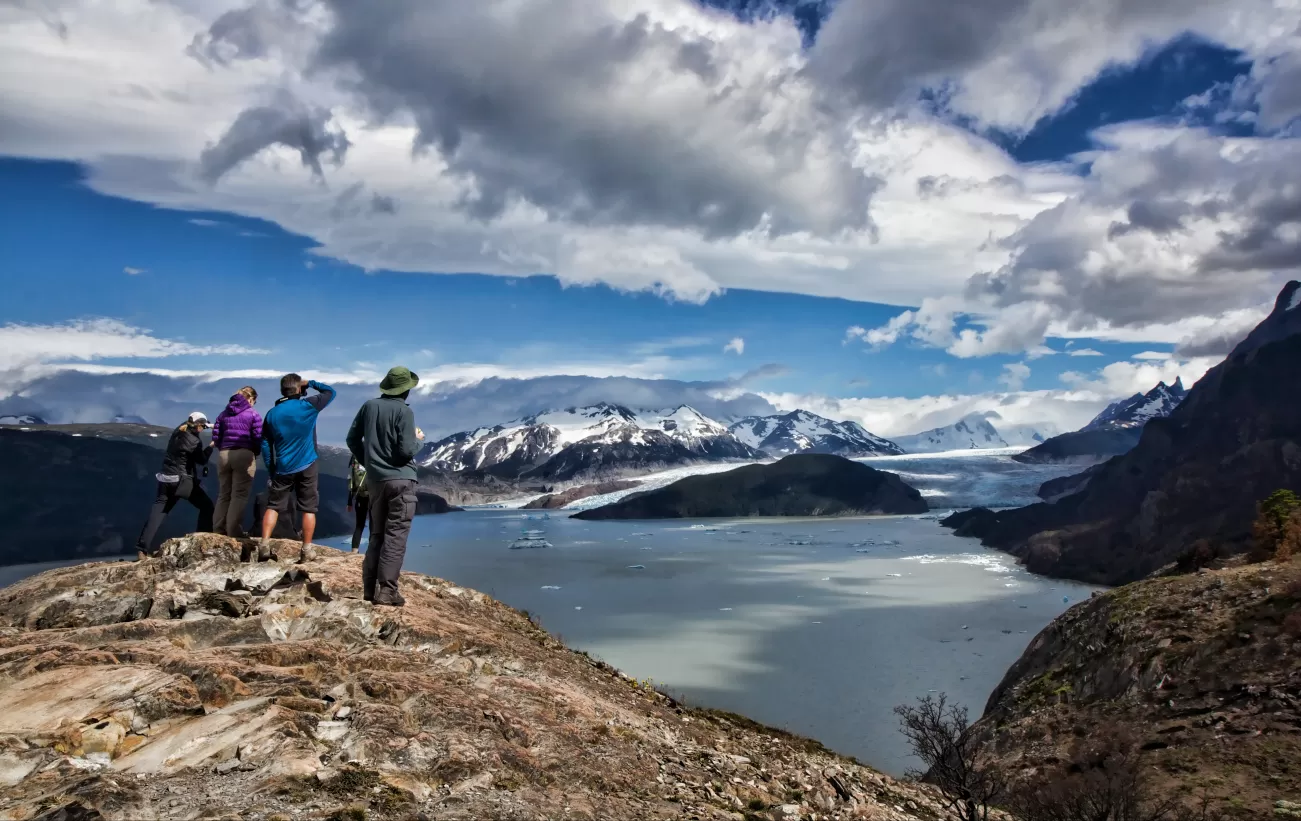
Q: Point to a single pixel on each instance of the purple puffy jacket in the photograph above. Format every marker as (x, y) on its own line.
(238, 426)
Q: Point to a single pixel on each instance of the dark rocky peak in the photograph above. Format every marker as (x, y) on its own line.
(1282, 322)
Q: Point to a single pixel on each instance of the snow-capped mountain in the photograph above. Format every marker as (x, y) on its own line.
(22, 419)
(800, 431)
(1027, 435)
(1135, 411)
(969, 432)
(583, 442)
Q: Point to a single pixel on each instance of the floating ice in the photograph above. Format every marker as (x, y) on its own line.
(636, 567)
(550, 587)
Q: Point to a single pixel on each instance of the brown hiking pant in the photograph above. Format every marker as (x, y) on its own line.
(392, 507)
(235, 471)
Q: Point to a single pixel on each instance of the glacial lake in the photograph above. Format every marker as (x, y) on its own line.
(817, 626)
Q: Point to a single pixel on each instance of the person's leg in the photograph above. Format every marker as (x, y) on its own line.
(164, 500)
(279, 490)
(378, 510)
(308, 493)
(223, 491)
(243, 467)
(200, 499)
(361, 506)
(397, 527)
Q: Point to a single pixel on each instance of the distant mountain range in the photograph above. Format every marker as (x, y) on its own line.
(971, 431)
(1114, 431)
(606, 440)
(802, 432)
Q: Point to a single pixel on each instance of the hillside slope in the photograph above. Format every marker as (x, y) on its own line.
(1198, 473)
(197, 682)
(1205, 669)
(805, 484)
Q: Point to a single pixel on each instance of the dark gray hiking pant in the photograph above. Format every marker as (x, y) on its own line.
(392, 506)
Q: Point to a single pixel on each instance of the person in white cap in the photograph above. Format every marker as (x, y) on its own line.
(179, 479)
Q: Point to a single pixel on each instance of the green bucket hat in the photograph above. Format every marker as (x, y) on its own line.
(399, 380)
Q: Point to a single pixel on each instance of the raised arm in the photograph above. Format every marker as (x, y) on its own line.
(324, 394)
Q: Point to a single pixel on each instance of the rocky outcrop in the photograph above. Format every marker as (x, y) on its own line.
(1195, 474)
(197, 685)
(805, 484)
(1205, 669)
(555, 501)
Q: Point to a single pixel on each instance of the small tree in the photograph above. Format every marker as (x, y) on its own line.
(1277, 529)
(954, 755)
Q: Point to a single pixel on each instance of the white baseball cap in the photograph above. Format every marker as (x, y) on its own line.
(198, 418)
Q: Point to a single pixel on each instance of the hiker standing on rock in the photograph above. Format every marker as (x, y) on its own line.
(179, 479)
(384, 439)
(237, 436)
(358, 499)
(289, 450)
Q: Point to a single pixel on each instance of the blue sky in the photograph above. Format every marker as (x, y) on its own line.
(194, 201)
(229, 280)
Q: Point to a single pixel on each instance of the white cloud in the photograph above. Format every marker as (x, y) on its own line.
(87, 340)
(1128, 378)
(132, 271)
(736, 346)
(1014, 375)
(1084, 397)
(664, 146)
(1084, 352)
(1155, 356)
(900, 416)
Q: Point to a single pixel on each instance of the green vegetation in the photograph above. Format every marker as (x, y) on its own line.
(1276, 532)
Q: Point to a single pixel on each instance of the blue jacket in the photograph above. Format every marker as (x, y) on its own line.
(289, 431)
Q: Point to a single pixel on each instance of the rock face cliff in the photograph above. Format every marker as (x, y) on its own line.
(1204, 668)
(1197, 473)
(805, 484)
(195, 685)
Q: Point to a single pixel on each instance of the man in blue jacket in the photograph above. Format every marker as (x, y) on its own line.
(289, 449)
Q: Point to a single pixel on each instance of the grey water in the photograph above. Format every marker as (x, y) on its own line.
(817, 626)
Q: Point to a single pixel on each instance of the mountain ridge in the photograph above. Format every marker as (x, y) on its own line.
(801, 431)
(1114, 431)
(972, 432)
(1196, 474)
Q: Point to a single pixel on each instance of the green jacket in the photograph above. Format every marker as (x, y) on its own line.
(383, 438)
(356, 480)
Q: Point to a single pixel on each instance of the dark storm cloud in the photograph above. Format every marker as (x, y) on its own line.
(287, 122)
(542, 106)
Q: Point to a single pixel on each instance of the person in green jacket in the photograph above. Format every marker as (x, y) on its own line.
(358, 499)
(384, 439)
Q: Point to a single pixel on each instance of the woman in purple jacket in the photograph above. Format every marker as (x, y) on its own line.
(237, 436)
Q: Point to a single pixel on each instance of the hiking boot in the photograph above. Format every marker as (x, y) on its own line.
(264, 550)
(389, 599)
(307, 554)
(141, 555)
